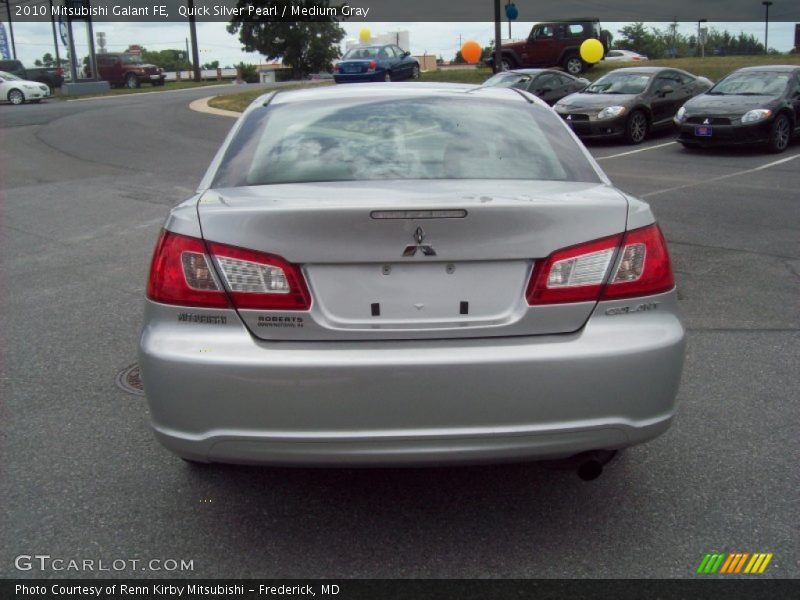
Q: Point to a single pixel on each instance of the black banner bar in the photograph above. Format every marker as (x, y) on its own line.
(405, 11)
(412, 589)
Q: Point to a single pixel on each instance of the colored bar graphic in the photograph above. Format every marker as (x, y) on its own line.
(734, 563)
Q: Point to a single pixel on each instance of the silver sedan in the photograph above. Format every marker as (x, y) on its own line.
(385, 274)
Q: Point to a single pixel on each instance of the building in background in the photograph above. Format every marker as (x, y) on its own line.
(398, 38)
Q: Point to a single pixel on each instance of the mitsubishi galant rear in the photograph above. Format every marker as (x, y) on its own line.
(408, 274)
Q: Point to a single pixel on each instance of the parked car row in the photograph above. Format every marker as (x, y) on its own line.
(753, 105)
(52, 77)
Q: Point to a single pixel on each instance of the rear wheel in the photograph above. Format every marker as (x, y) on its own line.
(636, 127)
(16, 97)
(132, 82)
(508, 63)
(573, 65)
(387, 76)
(779, 134)
(415, 72)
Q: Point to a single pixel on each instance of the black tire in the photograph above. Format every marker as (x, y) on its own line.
(387, 76)
(15, 97)
(415, 72)
(636, 127)
(132, 81)
(158, 82)
(573, 64)
(507, 63)
(780, 134)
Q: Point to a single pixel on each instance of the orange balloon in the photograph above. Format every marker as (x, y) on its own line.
(471, 51)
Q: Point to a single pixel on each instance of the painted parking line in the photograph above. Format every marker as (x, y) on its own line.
(636, 151)
(721, 177)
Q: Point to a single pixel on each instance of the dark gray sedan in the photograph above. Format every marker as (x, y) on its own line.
(631, 102)
(550, 85)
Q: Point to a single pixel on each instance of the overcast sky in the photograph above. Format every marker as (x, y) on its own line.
(215, 43)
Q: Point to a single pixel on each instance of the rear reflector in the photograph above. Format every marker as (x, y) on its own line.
(580, 273)
(182, 272)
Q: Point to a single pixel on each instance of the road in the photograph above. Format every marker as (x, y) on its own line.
(85, 187)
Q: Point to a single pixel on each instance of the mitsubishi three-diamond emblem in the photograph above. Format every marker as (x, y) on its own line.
(419, 237)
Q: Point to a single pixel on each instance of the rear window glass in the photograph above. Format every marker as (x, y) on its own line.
(365, 53)
(401, 138)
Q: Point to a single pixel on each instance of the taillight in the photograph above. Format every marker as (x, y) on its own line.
(372, 65)
(640, 264)
(182, 272)
(643, 268)
(260, 281)
(337, 68)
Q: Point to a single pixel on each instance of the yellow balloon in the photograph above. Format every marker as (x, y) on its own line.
(364, 35)
(592, 51)
(471, 51)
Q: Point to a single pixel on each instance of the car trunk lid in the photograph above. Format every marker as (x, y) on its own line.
(414, 259)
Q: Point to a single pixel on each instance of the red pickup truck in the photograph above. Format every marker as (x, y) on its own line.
(553, 44)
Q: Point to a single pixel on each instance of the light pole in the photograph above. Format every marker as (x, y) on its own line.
(766, 4)
(699, 35)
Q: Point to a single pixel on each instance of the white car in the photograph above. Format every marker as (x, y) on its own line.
(17, 90)
(624, 56)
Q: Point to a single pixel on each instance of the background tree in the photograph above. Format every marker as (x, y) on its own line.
(306, 46)
(214, 64)
(169, 60)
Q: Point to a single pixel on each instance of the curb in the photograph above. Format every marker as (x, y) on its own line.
(201, 105)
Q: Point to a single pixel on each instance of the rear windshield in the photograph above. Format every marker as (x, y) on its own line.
(368, 52)
(751, 83)
(401, 138)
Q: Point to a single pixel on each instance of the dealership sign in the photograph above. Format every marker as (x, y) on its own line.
(4, 52)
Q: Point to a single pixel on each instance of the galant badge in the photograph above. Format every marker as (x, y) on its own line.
(419, 237)
(707, 122)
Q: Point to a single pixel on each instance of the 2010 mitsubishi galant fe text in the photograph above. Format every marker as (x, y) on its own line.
(386, 274)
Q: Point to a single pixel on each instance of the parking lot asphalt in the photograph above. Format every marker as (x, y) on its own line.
(85, 187)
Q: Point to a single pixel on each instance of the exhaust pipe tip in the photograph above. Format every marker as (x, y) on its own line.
(590, 470)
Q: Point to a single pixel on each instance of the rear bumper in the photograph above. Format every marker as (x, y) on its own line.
(378, 75)
(217, 394)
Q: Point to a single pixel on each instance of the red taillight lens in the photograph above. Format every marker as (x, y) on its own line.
(60, 72)
(575, 274)
(579, 273)
(337, 68)
(260, 281)
(183, 272)
(372, 65)
(643, 268)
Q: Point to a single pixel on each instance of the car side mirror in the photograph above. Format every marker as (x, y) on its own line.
(406, 54)
(665, 91)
